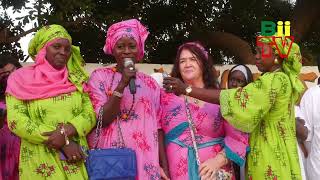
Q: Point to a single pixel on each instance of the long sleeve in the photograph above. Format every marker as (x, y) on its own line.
(20, 123)
(309, 109)
(86, 120)
(236, 144)
(97, 90)
(245, 107)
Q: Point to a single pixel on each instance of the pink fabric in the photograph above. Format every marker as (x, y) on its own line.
(140, 130)
(39, 81)
(9, 152)
(129, 28)
(198, 45)
(209, 124)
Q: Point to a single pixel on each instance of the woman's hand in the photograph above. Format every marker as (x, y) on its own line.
(174, 85)
(164, 174)
(73, 152)
(56, 140)
(127, 73)
(209, 168)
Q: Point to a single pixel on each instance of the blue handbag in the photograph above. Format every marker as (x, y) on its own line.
(112, 163)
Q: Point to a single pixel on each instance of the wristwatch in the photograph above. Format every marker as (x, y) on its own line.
(117, 94)
(188, 90)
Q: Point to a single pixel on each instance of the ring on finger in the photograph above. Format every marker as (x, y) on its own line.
(170, 86)
(131, 68)
(74, 157)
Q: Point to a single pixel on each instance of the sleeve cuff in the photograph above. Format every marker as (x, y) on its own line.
(234, 156)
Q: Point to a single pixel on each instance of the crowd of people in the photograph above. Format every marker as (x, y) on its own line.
(183, 128)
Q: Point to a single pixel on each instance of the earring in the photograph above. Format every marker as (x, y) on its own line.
(276, 61)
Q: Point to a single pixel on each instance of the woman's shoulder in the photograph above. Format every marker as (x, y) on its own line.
(103, 70)
(148, 80)
(20, 73)
(273, 77)
(101, 73)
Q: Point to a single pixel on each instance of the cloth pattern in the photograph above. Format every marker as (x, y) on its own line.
(213, 135)
(140, 129)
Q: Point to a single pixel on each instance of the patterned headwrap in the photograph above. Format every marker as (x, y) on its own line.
(291, 65)
(129, 28)
(77, 74)
(198, 45)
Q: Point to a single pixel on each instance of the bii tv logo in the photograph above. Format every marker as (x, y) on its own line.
(268, 29)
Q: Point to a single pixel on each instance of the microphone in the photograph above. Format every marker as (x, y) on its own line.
(132, 84)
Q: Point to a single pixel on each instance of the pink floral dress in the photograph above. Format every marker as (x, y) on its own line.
(213, 134)
(9, 152)
(140, 129)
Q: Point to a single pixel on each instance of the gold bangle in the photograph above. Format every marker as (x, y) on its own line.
(117, 94)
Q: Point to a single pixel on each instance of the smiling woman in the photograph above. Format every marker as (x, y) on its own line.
(49, 110)
(58, 53)
(136, 112)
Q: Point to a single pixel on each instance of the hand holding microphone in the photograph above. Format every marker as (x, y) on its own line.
(128, 75)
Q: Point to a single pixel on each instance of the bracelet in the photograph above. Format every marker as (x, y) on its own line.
(63, 132)
(117, 94)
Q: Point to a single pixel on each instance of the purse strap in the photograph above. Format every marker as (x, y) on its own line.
(99, 128)
(192, 130)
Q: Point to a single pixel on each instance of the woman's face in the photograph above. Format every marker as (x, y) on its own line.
(58, 53)
(264, 64)
(236, 79)
(125, 47)
(4, 74)
(190, 66)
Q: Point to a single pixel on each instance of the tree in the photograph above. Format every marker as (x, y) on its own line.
(227, 27)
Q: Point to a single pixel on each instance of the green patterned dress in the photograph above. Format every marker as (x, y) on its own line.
(28, 119)
(265, 108)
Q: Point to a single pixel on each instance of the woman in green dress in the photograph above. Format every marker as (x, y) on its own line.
(263, 108)
(49, 110)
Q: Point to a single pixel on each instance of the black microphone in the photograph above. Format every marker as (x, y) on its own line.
(132, 84)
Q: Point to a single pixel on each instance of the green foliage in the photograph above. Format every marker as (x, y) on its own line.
(170, 22)
(10, 48)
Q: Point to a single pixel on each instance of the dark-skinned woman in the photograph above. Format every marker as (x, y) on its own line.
(49, 110)
(136, 112)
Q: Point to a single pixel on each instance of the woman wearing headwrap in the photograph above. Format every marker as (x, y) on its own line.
(218, 143)
(239, 76)
(49, 110)
(137, 113)
(264, 108)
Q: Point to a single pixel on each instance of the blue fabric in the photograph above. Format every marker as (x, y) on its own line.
(176, 132)
(115, 164)
(172, 137)
(233, 156)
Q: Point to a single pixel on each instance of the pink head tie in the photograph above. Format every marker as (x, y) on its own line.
(129, 28)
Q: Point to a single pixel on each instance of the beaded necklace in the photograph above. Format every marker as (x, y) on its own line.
(124, 116)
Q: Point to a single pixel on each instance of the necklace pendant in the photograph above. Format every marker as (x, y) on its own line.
(124, 116)
(109, 93)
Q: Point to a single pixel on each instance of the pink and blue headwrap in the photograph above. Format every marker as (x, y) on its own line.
(129, 28)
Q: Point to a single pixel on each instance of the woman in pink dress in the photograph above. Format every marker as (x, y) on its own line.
(217, 142)
(136, 111)
(9, 143)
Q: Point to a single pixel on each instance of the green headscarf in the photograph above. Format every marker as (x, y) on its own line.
(77, 74)
(291, 65)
